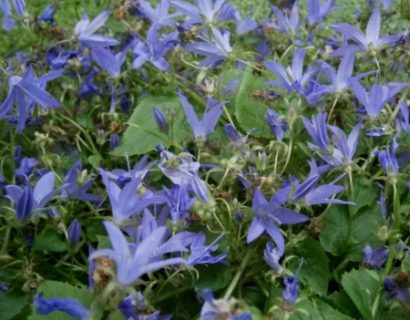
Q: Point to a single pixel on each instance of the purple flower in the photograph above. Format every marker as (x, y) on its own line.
(375, 257)
(211, 116)
(160, 119)
(71, 307)
(8, 21)
(339, 80)
(134, 260)
(71, 189)
(397, 289)
(109, 61)
(47, 15)
(27, 91)
(268, 216)
(20, 7)
(291, 292)
(183, 171)
(317, 11)
(344, 147)
(154, 49)
(291, 79)
(26, 167)
(388, 160)
(287, 22)
(205, 11)
(114, 140)
(379, 95)
(178, 201)
(216, 49)
(200, 253)
(26, 199)
(219, 308)
(317, 129)
(160, 15)
(403, 119)
(371, 40)
(133, 307)
(74, 232)
(125, 202)
(276, 124)
(272, 255)
(85, 31)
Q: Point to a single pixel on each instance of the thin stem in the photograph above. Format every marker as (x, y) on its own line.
(333, 108)
(289, 153)
(6, 241)
(238, 275)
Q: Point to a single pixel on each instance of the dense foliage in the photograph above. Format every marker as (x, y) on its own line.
(204, 159)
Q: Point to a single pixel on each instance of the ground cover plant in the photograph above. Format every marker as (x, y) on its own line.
(204, 159)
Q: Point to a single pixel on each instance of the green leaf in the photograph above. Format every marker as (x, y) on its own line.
(55, 289)
(365, 194)
(143, 133)
(362, 287)
(214, 277)
(335, 231)
(317, 310)
(250, 112)
(315, 269)
(11, 304)
(50, 240)
(364, 228)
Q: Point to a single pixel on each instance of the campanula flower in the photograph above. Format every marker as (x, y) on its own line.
(135, 260)
(26, 167)
(26, 199)
(204, 11)
(403, 119)
(268, 216)
(125, 201)
(47, 15)
(220, 308)
(71, 189)
(317, 11)
(160, 119)
(291, 292)
(388, 160)
(277, 125)
(344, 147)
(375, 257)
(109, 61)
(85, 31)
(272, 255)
(396, 289)
(160, 15)
(27, 91)
(20, 7)
(8, 21)
(133, 307)
(178, 201)
(317, 129)
(154, 49)
(339, 80)
(216, 49)
(72, 307)
(291, 79)
(183, 171)
(287, 21)
(74, 232)
(202, 128)
(371, 40)
(139, 171)
(378, 96)
(200, 253)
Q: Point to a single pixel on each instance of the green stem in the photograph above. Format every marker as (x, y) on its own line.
(6, 241)
(238, 275)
